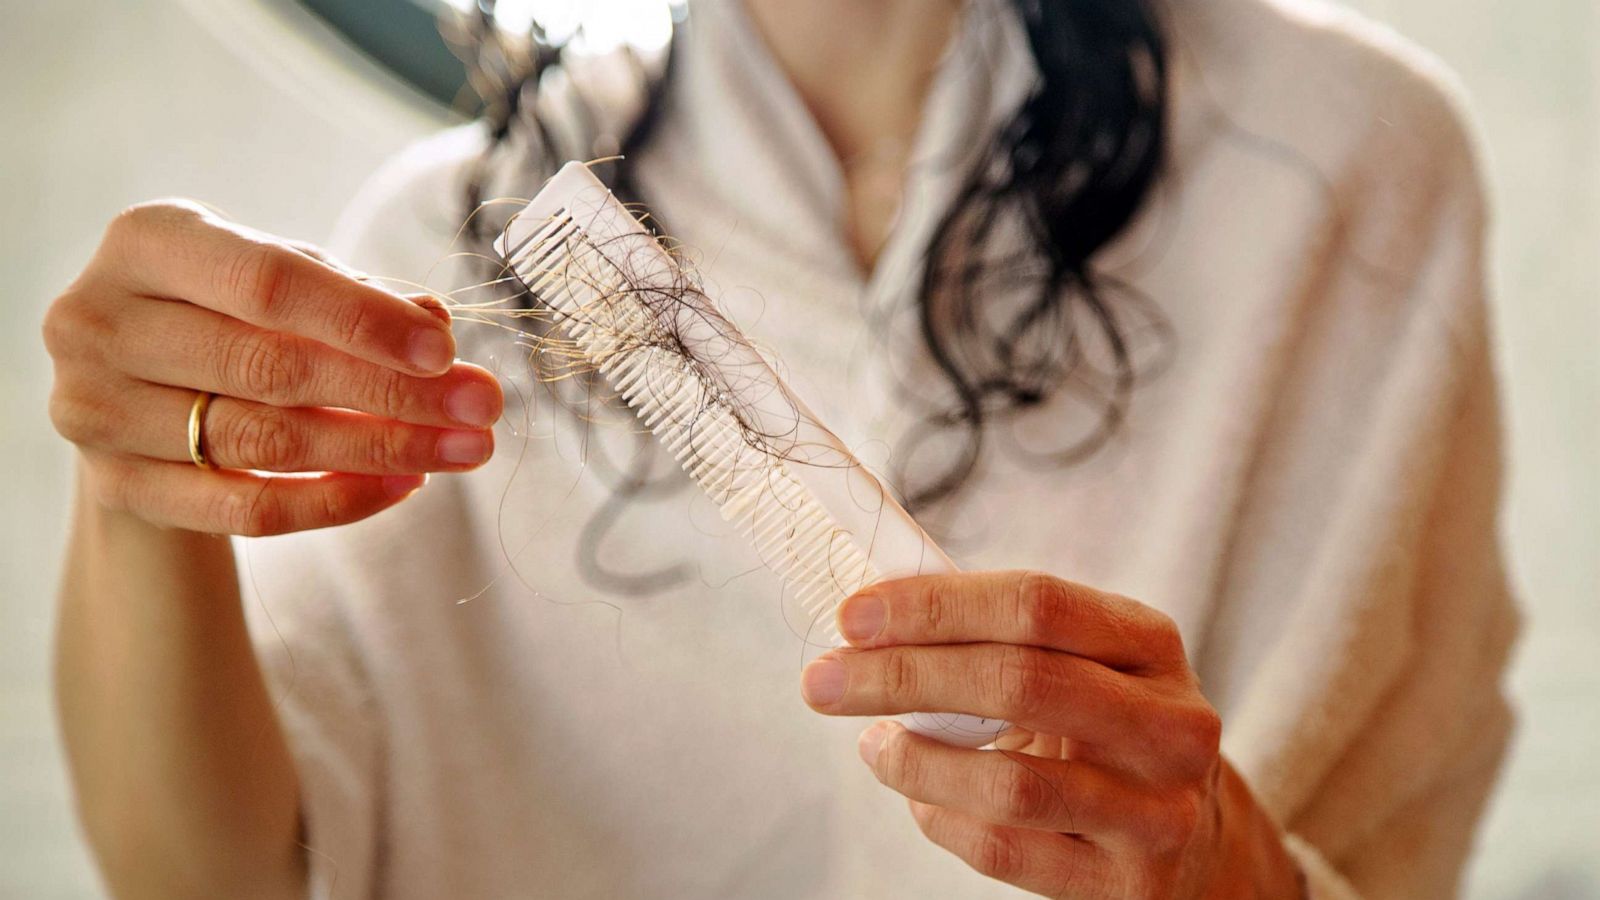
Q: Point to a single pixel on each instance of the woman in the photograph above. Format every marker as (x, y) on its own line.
(1178, 304)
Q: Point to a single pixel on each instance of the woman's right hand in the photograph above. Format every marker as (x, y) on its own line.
(313, 370)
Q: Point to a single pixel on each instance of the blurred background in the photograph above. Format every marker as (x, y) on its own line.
(267, 110)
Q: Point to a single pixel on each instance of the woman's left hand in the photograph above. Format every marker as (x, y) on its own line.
(1110, 786)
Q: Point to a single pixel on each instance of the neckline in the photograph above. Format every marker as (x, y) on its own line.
(759, 125)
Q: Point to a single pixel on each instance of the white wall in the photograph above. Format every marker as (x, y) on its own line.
(107, 103)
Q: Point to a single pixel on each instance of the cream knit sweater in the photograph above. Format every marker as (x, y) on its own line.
(1310, 489)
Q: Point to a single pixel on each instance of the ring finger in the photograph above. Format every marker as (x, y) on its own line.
(1062, 795)
(243, 434)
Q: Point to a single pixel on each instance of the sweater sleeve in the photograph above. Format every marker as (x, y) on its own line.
(324, 704)
(1359, 650)
(1395, 815)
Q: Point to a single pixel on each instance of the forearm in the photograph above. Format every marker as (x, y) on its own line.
(183, 777)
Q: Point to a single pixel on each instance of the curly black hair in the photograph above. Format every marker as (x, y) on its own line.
(1059, 181)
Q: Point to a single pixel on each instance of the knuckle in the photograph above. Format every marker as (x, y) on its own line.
(1023, 682)
(1164, 639)
(1201, 728)
(136, 217)
(74, 328)
(165, 211)
(901, 678)
(391, 450)
(1181, 817)
(355, 323)
(1021, 795)
(133, 223)
(79, 421)
(268, 367)
(253, 513)
(997, 854)
(260, 276)
(898, 763)
(390, 392)
(1040, 602)
(128, 219)
(395, 449)
(336, 507)
(267, 438)
(936, 606)
(58, 329)
(64, 417)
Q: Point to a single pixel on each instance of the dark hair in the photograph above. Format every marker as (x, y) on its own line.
(1061, 179)
(1068, 172)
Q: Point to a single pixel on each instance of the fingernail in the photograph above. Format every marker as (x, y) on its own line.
(401, 485)
(822, 683)
(473, 403)
(862, 617)
(871, 741)
(463, 447)
(436, 308)
(431, 349)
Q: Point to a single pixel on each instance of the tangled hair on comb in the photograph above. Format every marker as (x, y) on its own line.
(1059, 181)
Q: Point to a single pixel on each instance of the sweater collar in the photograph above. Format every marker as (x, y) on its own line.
(751, 130)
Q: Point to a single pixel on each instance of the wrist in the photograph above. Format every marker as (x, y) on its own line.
(1253, 859)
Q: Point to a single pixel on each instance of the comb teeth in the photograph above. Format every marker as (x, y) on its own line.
(817, 518)
(752, 485)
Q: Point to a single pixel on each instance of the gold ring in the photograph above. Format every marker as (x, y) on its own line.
(197, 421)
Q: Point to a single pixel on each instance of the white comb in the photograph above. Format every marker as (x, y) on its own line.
(818, 518)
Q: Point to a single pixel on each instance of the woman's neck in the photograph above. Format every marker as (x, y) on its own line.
(863, 68)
